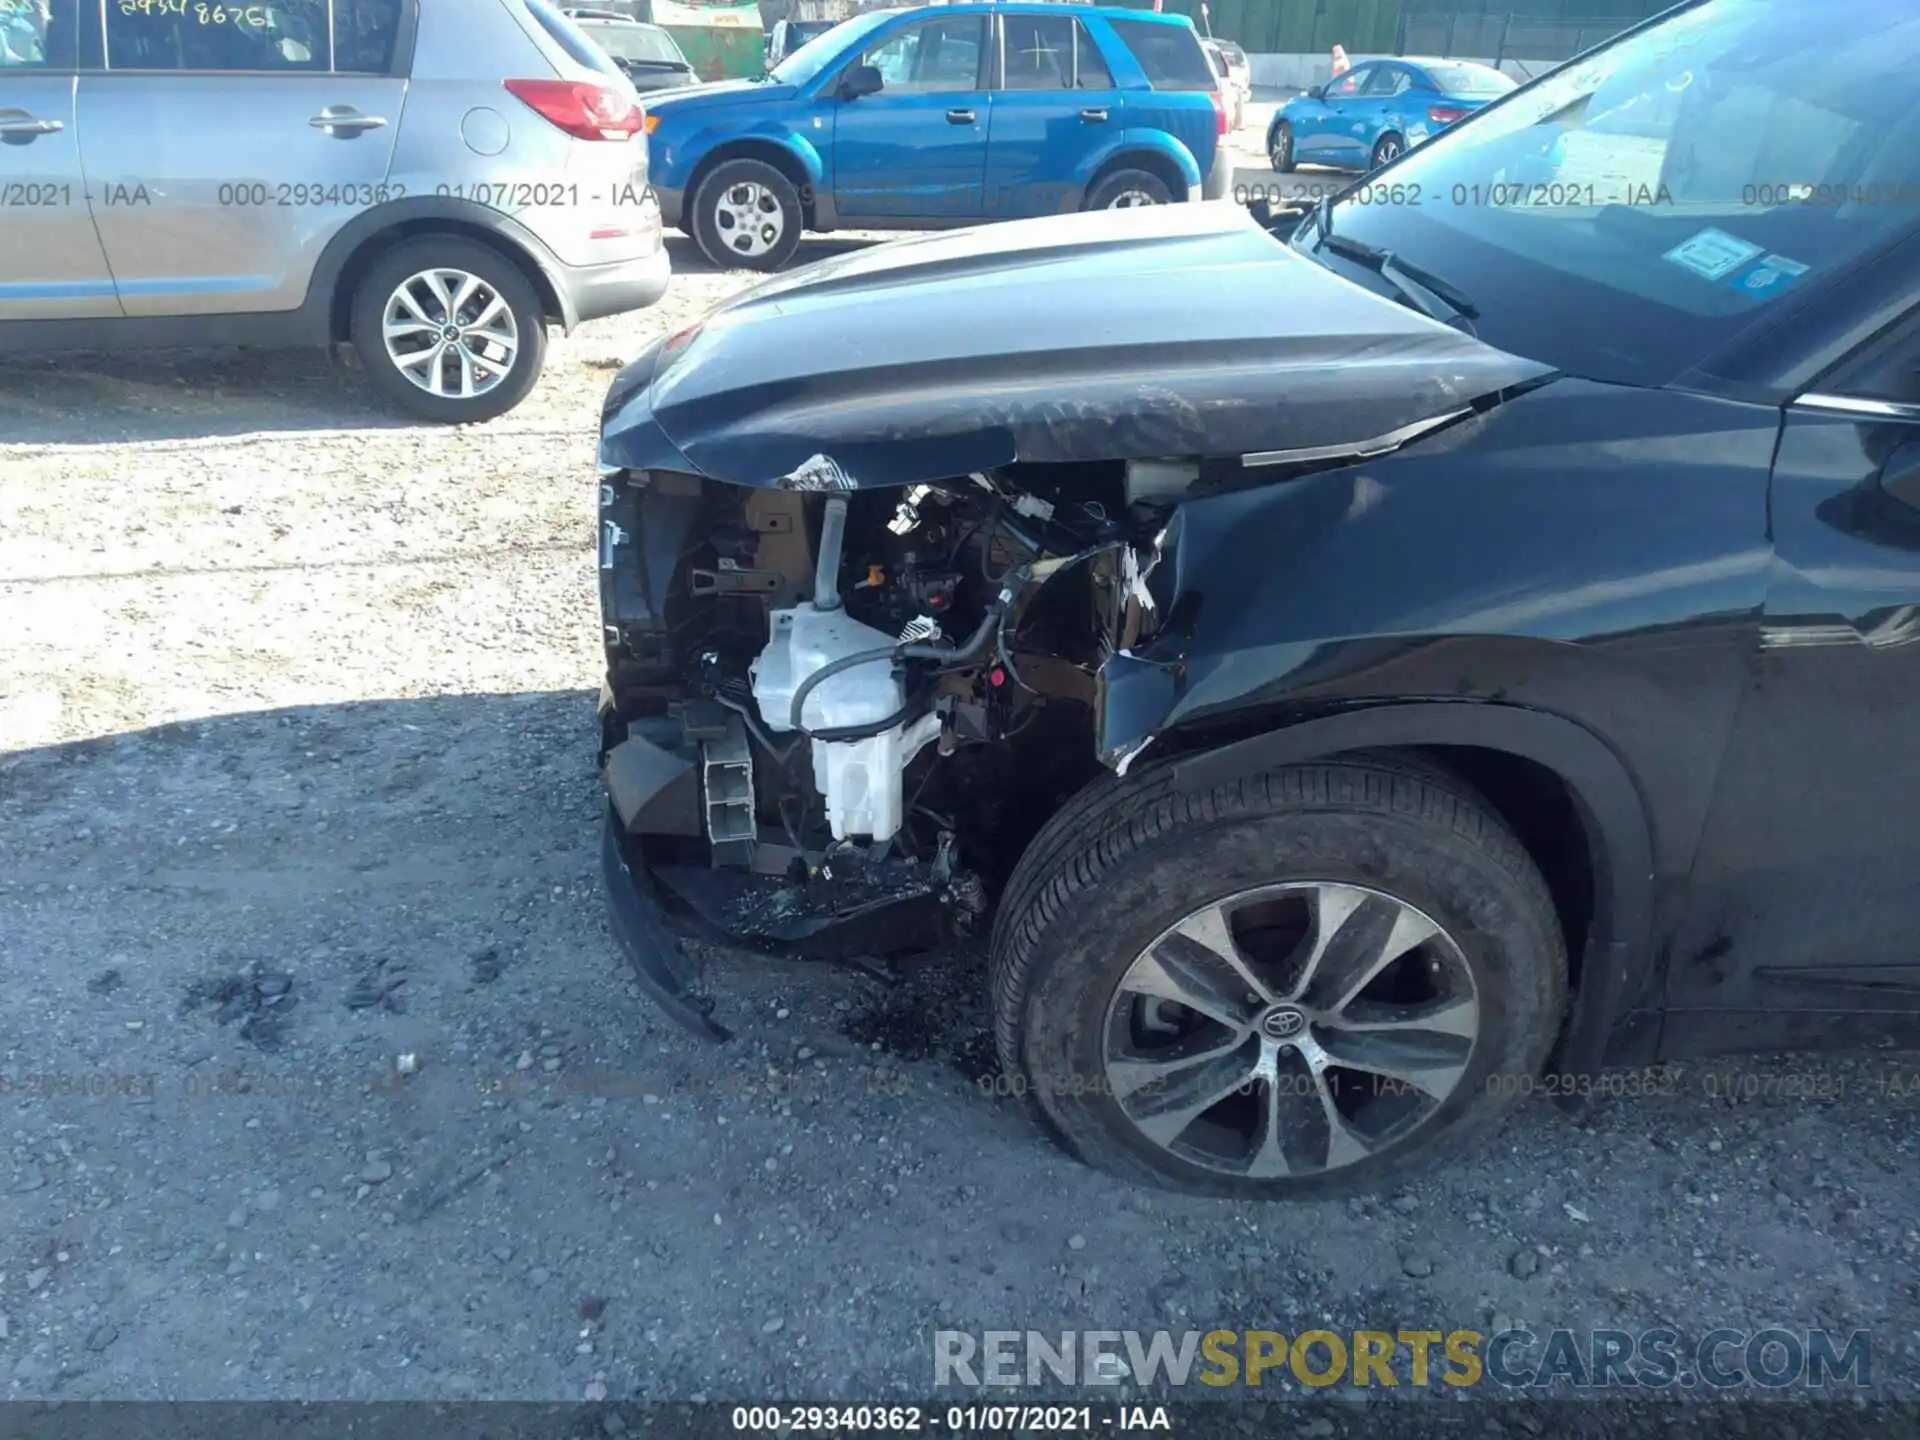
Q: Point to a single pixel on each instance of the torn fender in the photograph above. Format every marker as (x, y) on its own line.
(1174, 330)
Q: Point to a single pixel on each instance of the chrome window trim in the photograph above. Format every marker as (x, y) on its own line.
(1855, 405)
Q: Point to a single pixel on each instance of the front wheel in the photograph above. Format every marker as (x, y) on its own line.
(747, 216)
(1301, 983)
(1280, 148)
(449, 329)
(1124, 189)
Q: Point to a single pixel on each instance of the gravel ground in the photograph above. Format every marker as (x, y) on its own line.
(295, 758)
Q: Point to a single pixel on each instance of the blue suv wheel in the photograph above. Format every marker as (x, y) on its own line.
(747, 216)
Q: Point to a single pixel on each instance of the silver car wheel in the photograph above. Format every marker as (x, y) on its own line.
(1128, 199)
(450, 333)
(1387, 152)
(748, 219)
(1291, 1030)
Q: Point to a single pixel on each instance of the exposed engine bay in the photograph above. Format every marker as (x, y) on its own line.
(836, 715)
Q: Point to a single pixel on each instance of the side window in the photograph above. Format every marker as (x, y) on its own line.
(200, 35)
(1039, 52)
(36, 35)
(1351, 83)
(1170, 54)
(932, 57)
(364, 32)
(1387, 80)
(1090, 67)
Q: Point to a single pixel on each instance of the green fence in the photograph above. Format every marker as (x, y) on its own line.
(1267, 27)
(1546, 30)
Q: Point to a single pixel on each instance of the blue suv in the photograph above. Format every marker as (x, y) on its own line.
(942, 116)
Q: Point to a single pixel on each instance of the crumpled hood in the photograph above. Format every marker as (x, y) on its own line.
(1176, 330)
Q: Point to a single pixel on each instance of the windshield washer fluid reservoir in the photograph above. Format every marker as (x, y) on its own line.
(799, 642)
(859, 779)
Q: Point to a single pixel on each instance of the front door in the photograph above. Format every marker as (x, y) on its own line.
(1807, 888)
(52, 266)
(1324, 134)
(916, 149)
(224, 150)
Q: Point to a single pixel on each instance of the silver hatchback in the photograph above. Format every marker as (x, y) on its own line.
(435, 182)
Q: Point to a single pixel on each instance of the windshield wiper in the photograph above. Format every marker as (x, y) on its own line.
(1420, 287)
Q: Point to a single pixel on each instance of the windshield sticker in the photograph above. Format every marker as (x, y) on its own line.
(1712, 254)
(1772, 275)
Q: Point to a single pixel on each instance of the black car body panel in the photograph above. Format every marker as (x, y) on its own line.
(885, 360)
(1559, 602)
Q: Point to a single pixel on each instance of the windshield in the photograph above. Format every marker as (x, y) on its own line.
(634, 42)
(1633, 210)
(1469, 80)
(821, 51)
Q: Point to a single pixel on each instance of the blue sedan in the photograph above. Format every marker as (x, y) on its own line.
(1379, 108)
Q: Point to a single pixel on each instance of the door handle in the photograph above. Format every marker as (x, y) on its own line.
(344, 120)
(1094, 116)
(960, 117)
(21, 123)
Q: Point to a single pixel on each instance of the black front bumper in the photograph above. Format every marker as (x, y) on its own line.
(640, 925)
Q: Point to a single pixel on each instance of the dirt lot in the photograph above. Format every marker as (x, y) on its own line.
(295, 761)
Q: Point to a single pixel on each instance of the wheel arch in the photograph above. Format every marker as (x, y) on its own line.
(361, 244)
(802, 167)
(1156, 153)
(1477, 740)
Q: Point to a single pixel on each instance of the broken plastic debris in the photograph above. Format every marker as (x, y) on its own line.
(821, 473)
(1133, 579)
(406, 1064)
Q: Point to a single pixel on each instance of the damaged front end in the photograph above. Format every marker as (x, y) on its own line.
(833, 717)
(866, 600)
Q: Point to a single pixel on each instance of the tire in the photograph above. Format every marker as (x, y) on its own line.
(1280, 148)
(452, 260)
(1126, 188)
(1124, 862)
(734, 190)
(1388, 148)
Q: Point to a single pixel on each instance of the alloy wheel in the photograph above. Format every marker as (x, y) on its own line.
(1128, 199)
(748, 219)
(450, 333)
(1291, 1030)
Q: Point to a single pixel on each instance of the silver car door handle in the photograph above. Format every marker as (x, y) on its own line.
(960, 117)
(1093, 117)
(29, 125)
(346, 118)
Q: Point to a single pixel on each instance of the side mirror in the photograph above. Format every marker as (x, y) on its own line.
(1318, 92)
(861, 80)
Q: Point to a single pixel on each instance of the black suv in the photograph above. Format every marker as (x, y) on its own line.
(1359, 667)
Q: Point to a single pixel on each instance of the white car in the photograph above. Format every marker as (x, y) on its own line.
(1235, 74)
